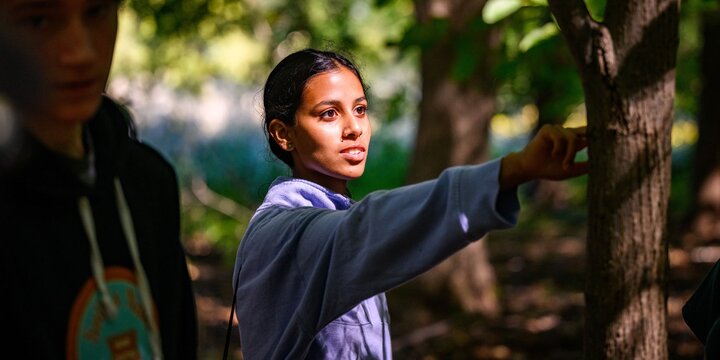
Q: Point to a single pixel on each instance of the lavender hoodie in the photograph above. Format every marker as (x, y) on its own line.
(313, 265)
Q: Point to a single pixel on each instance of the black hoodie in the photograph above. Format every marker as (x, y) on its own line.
(52, 304)
(702, 312)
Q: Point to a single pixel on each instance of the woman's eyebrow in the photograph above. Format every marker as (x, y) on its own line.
(337, 102)
(328, 102)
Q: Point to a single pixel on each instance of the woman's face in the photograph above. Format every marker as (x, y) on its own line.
(330, 139)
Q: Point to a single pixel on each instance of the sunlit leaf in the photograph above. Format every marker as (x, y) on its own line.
(596, 9)
(496, 10)
(537, 35)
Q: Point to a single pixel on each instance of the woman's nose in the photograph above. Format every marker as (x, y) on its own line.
(353, 128)
(77, 46)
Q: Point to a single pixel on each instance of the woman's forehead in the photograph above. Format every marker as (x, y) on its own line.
(338, 83)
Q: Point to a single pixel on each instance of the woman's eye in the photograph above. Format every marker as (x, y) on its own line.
(328, 114)
(98, 10)
(35, 22)
(361, 110)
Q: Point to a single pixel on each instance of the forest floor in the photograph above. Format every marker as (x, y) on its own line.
(540, 272)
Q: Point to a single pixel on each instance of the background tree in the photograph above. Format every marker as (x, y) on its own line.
(627, 64)
(458, 56)
(706, 181)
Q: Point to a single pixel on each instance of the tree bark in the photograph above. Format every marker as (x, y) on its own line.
(627, 64)
(453, 130)
(706, 184)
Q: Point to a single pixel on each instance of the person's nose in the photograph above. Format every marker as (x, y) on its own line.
(77, 48)
(353, 128)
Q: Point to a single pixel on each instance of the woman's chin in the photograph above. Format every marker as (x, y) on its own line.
(355, 173)
(74, 112)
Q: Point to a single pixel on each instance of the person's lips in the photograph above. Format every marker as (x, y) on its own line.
(354, 154)
(77, 88)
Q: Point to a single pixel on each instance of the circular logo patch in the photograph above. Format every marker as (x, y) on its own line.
(93, 334)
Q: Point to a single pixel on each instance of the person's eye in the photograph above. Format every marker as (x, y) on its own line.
(99, 10)
(361, 110)
(328, 114)
(35, 22)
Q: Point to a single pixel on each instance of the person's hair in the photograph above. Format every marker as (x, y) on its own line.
(285, 85)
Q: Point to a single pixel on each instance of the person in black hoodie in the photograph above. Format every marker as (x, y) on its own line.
(91, 262)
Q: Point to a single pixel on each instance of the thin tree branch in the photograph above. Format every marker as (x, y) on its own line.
(577, 26)
(419, 336)
(217, 202)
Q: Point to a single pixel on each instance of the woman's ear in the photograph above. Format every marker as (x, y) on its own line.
(282, 134)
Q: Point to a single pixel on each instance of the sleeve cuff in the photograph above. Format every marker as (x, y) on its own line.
(483, 207)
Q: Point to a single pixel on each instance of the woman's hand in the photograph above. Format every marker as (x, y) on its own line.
(549, 155)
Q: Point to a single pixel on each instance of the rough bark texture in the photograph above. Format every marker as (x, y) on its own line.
(628, 68)
(707, 150)
(453, 130)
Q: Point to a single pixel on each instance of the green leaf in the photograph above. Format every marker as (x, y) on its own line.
(466, 61)
(537, 35)
(496, 10)
(596, 8)
(425, 35)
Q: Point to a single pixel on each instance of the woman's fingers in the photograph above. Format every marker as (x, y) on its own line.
(551, 154)
(575, 139)
(577, 169)
(570, 149)
(579, 131)
(556, 137)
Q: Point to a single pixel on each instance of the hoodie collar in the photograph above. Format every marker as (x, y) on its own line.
(293, 192)
(106, 137)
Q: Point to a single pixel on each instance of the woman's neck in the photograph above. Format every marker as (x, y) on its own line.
(63, 138)
(337, 185)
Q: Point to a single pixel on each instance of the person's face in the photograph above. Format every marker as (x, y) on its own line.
(74, 42)
(332, 132)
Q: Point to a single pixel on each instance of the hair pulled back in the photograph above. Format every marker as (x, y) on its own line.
(285, 85)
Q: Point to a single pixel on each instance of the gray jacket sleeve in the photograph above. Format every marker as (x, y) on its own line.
(344, 257)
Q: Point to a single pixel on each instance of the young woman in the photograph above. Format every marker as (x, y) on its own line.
(313, 266)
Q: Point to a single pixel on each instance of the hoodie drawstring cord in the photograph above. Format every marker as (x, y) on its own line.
(96, 262)
(98, 267)
(145, 295)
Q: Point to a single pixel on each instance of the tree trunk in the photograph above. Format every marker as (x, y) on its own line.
(453, 130)
(706, 182)
(627, 65)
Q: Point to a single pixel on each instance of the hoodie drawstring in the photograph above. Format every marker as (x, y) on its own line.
(98, 267)
(96, 262)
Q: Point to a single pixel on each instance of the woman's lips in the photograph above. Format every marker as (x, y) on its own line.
(77, 88)
(354, 154)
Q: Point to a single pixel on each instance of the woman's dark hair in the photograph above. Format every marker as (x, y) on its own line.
(285, 85)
